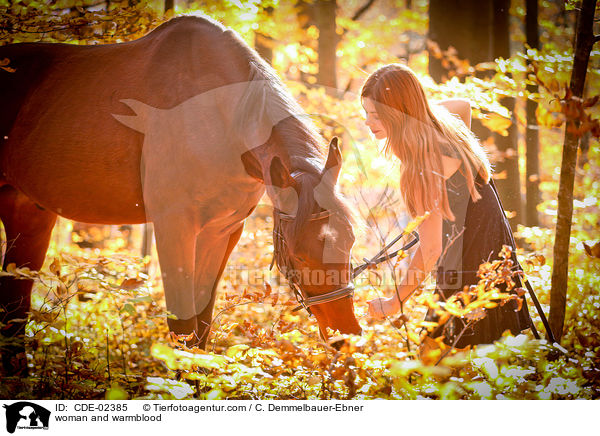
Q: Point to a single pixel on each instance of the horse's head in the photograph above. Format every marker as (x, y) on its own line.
(313, 237)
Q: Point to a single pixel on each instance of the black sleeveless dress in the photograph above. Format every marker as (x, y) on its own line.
(476, 236)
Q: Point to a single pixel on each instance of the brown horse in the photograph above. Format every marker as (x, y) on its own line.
(186, 128)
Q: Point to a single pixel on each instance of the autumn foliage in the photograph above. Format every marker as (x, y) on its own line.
(98, 327)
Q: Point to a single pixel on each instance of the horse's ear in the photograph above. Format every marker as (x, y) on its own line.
(280, 175)
(252, 166)
(334, 162)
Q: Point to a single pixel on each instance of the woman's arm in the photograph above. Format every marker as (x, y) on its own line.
(460, 107)
(423, 261)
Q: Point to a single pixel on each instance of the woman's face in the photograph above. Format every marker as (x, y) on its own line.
(372, 121)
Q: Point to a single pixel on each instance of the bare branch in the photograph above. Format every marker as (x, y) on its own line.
(362, 10)
(455, 342)
(357, 15)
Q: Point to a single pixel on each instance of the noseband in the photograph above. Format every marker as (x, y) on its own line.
(285, 265)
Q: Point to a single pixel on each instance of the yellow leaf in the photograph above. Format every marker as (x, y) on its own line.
(416, 223)
(497, 123)
(116, 392)
(313, 380)
(2, 243)
(164, 353)
(237, 351)
(414, 337)
(215, 394)
(208, 361)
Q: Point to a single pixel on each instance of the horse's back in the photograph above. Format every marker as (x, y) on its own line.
(58, 111)
(179, 60)
(27, 63)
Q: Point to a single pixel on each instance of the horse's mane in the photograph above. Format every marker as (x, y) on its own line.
(266, 102)
(193, 20)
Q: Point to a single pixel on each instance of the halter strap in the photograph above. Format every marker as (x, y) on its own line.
(338, 294)
(313, 217)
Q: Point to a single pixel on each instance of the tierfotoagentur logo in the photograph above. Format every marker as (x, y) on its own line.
(26, 416)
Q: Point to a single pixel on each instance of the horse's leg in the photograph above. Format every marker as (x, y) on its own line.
(175, 243)
(28, 229)
(204, 319)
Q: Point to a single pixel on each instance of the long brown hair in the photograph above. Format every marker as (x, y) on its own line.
(415, 134)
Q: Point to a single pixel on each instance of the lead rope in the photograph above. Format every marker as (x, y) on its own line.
(534, 298)
(378, 258)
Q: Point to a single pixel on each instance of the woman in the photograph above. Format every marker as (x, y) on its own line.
(446, 173)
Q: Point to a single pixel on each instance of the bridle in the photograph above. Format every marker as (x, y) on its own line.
(285, 265)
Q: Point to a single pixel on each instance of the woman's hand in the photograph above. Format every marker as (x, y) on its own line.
(379, 308)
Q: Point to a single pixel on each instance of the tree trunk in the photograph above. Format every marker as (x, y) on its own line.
(479, 31)
(328, 41)
(584, 40)
(359, 13)
(306, 18)
(169, 5)
(532, 171)
(584, 142)
(509, 187)
(466, 25)
(263, 44)
(147, 241)
(584, 146)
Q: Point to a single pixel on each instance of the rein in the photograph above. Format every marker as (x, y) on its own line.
(379, 257)
(284, 263)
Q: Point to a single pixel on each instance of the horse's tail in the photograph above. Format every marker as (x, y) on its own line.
(139, 121)
(3, 244)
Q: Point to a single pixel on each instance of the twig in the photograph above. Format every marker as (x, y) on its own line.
(389, 261)
(380, 201)
(121, 348)
(67, 359)
(404, 323)
(108, 358)
(362, 10)
(455, 342)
